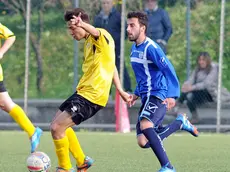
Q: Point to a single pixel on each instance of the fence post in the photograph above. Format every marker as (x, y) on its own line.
(221, 51)
(188, 44)
(27, 55)
(75, 64)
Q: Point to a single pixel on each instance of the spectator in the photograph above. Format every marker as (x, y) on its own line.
(201, 87)
(110, 19)
(159, 24)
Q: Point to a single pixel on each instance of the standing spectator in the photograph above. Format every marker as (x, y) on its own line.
(201, 87)
(110, 19)
(159, 24)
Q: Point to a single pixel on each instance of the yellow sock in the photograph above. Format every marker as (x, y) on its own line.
(62, 151)
(21, 118)
(75, 147)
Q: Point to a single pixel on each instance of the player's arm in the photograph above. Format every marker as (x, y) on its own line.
(90, 29)
(116, 81)
(166, 67)
(9, 38)
(125, 96)
(7, 44)
(86, 26)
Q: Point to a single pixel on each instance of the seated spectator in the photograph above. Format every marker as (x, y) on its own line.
(202, 85)
(159, 24)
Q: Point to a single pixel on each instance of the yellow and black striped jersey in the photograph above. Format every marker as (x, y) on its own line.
(5, 32)
(98, 68)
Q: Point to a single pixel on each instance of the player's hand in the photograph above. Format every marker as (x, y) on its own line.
(133, 100)
(76, 20)
(125, 96)
(170, 103)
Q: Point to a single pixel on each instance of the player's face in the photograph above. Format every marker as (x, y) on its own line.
(202, 62)
(76, 32)
(133, 29)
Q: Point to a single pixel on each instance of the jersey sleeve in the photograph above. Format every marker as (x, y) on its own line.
(101, 41)
(5, 32)
(136, 91)
(165, 66)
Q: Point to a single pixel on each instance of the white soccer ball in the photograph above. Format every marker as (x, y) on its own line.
(38, 162)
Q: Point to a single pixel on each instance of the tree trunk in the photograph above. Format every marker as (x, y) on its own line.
(20, 7)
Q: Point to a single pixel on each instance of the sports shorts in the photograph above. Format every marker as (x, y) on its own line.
(80, 108)
(153, 110)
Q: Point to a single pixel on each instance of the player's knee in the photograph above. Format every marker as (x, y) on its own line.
(142, 143)
(6, 105)
(55, 128)
(145, 123)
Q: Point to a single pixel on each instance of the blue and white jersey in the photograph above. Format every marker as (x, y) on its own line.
(155, 75)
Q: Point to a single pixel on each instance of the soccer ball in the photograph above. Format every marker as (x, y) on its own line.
(38, 162)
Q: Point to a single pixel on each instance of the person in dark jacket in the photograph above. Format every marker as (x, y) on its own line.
(110, 19)
(159, 24)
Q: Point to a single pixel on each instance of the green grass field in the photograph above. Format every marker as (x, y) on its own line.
(114, 152)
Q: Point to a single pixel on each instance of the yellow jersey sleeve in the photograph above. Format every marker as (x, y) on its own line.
(5, 32)
(103, 40)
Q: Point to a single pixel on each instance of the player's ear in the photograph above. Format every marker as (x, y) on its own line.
(143, 28)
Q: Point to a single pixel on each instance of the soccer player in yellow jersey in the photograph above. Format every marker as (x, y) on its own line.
(91, 93)
(6, 102)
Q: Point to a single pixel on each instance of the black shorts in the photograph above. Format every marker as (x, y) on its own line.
(80, 108)
(2, 87)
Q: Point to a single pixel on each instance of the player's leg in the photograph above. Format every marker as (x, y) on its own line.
(166, 131)
(152, 114)
(80, 110)
(74, 145)
(58, 127)
(17, 113)
(155, 142)
(142, 141)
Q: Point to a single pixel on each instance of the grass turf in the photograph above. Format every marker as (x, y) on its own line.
(114, 152)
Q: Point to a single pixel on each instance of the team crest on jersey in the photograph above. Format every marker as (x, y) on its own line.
(163, 61)
(151, 107)
(141, 55)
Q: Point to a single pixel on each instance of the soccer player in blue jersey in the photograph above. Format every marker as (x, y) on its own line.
(157, 86)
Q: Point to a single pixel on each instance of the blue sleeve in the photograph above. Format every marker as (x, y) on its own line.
(136, 92)
(167, 26)
(165, 66)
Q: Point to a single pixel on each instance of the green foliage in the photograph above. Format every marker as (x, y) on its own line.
(58, 48)
(205, 33)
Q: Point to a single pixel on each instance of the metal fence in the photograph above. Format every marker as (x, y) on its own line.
(50, 65)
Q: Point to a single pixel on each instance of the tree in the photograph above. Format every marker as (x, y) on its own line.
(38, 6)
(19, 6)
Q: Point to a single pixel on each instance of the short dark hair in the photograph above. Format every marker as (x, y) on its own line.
(75, 12)
(141, 16)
